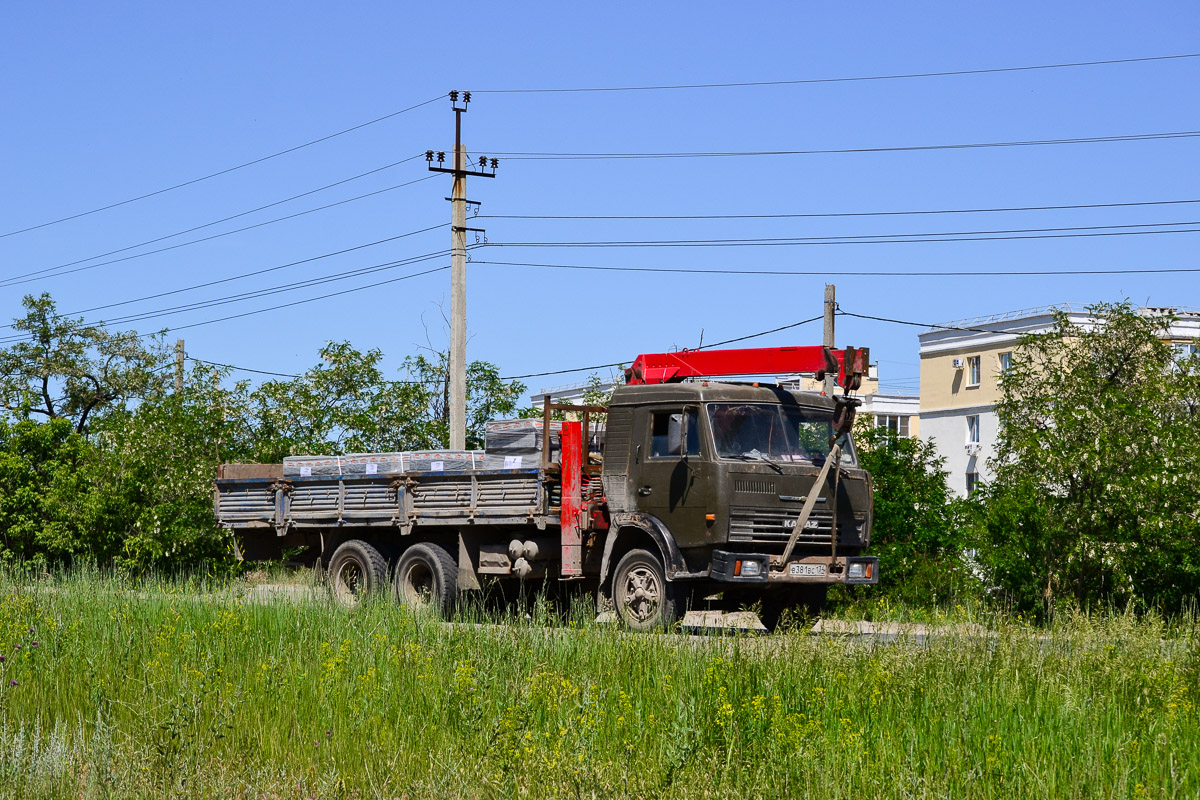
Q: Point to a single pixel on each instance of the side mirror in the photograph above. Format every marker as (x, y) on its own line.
(675, 435)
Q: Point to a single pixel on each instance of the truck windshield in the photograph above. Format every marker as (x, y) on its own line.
(769, 432)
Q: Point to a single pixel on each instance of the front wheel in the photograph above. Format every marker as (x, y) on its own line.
(427, 578)
(357, 569)
(645, 600)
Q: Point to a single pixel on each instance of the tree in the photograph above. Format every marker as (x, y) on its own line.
(1096, 494)
(152, 467)
(346, 404)
(488, 397)
(42, 489)
(69, 370)
(343, 404)
(919, 530)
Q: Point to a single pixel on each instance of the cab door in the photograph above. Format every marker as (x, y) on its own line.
(673, 474)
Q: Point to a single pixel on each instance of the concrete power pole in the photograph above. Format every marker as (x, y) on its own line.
(830, 305)
(458, 266)
(179, 356)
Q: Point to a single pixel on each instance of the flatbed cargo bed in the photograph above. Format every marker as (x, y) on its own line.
(457, 498)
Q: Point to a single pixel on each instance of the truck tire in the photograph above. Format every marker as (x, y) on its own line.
(357, 569)
(644, 599)
(427, 578)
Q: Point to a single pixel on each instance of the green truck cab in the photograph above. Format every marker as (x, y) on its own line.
(713, 476)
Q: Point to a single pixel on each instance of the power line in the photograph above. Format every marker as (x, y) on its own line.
(16, 279)
(310, 299)
(289, 287)
(855, 273)
(704, 347)
(803, 81)
(842, 313)
(899, 238)
(241, 369)
(1139, 137)
(220, 172)
(763, 333)
(243, 275)
(829, 215)
(254, 294)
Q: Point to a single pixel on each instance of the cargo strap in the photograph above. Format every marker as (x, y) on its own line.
(810, 502)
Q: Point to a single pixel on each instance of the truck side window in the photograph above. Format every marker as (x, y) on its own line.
(660, 425)
(693, 433)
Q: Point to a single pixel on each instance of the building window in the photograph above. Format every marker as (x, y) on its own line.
(1005, 363)
(972, 370)
(973, 429)
(972, 482)
(893, 422)
(1183, 352)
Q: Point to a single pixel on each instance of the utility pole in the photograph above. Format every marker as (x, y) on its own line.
(830, 305)
(179, 356)
(458, 266)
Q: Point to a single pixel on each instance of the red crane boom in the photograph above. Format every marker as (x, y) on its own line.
(850, 364)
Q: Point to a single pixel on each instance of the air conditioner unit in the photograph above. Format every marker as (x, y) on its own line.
(974, 448)
(959, 363)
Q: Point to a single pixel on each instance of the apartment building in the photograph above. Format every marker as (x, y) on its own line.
(961, 366)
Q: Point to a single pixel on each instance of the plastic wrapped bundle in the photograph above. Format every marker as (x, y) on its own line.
(381, 463)
(524, 436)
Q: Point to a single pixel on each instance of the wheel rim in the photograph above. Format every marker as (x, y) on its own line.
(641, 594)
(417, 585)
(350, 580)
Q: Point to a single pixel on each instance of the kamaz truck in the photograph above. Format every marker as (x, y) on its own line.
(691, 489)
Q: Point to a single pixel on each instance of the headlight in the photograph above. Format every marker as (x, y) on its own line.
(751, 569)
(858, 570)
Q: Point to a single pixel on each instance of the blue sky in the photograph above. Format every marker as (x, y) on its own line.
(105, 104)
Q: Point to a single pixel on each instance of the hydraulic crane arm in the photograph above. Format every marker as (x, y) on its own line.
(850, 364)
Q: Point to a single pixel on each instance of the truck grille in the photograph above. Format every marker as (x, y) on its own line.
(775, 525)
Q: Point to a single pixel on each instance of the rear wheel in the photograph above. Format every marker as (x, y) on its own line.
(356, 570)
(427, 578)
(644, 599)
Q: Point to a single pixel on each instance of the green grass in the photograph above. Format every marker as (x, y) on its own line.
(187, 689)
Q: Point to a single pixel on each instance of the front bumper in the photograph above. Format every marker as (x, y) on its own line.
(759, 568)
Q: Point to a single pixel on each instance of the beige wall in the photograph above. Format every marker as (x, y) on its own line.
(943, 386)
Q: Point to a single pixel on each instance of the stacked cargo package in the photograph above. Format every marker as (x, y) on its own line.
(509, 444)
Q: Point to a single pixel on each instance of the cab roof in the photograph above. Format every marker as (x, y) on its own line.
(715, 391)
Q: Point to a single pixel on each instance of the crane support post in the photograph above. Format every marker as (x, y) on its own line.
(850, 364)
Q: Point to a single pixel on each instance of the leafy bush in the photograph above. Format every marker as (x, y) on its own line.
(920, 531)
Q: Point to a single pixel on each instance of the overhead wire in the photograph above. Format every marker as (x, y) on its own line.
(15, 279)
(251, 295)
(832, 214)
(309, 299)
(898, 238)
(850, 272)
(243, 275)
(702, 347)
(225, 171)
(848, 79)
(547, 156)
(838, 311)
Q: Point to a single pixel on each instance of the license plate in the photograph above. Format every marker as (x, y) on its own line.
(807, 570)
